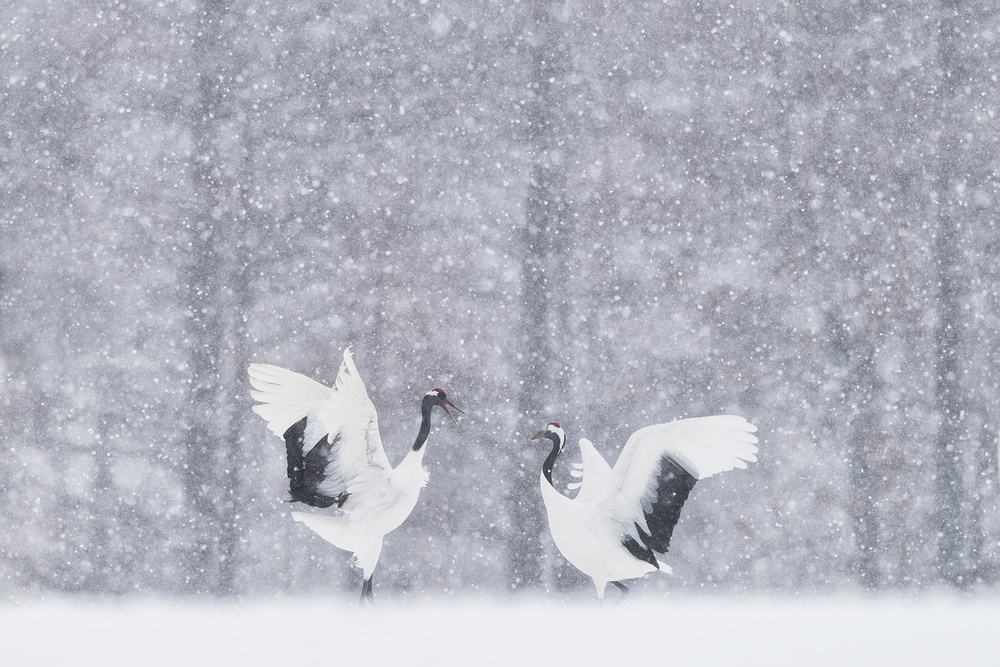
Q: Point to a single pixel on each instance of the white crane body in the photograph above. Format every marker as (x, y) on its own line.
(590, 542)
(624, 516)
(336, 460)
(361, 526)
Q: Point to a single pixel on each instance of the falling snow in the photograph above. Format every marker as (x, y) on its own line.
(599, 213)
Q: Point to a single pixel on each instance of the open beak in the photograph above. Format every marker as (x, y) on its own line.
(537, 435)
(448, 404)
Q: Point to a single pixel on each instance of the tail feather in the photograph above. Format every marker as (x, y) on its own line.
(341, 533)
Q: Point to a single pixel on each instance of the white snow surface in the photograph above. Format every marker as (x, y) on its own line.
(812, 631)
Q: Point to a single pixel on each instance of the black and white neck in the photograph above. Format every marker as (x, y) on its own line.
(431, 399)
(555, 433)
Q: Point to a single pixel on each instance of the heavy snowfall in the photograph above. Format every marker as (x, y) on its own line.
(606, 214)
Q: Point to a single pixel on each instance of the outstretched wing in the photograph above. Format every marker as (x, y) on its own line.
(331, 434)
(657, 469)
(593, 471)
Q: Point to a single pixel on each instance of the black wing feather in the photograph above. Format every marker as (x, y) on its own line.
(673, 485)
(306, 473)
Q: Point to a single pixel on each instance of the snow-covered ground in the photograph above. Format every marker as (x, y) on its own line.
(813, 631)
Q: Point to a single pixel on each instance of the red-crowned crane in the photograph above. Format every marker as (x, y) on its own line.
(623, 516)
(336, 460)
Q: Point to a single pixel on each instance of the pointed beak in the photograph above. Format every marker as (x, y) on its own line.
(537, 435)
(448, 404)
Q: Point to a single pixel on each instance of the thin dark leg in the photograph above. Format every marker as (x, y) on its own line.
(623, 588)
(366, 592)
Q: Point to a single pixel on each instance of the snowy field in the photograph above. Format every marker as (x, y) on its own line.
(814, 631)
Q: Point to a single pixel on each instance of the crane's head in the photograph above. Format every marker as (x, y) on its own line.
(438, 397)
(553, 432)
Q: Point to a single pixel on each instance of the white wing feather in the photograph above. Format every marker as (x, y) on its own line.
(343, 413)
(286, 396)
(703, 446)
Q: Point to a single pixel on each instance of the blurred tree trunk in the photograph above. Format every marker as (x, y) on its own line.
(985, 519)
(863, 387)
(247, 265)
(948, 391)
(543, 239)
(982, 548)
(103, 554)
(210, 469)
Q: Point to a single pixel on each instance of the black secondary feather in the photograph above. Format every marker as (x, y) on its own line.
(306, 473)
(673, 484)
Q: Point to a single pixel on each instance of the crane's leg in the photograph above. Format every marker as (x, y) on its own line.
(366, 557)
(623, 588)
(366, 592)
